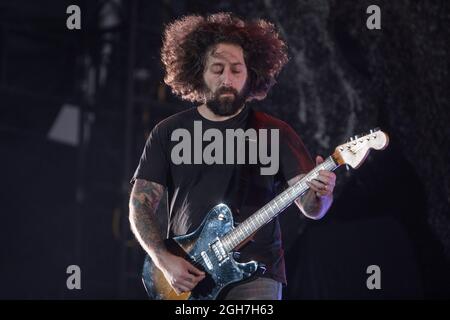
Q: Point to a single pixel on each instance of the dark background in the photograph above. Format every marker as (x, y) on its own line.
(66, 204)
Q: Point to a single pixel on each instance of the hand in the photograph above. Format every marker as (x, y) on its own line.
(181, 275)
(324, 184)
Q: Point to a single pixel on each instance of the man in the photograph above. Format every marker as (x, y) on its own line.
(220, 62)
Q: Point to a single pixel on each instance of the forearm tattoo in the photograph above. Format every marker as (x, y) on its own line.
(144, 201)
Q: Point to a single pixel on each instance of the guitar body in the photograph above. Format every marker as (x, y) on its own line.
(200, 249)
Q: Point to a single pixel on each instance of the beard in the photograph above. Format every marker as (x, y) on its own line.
(227, 105)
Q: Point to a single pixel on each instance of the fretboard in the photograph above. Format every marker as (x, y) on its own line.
(273, 208)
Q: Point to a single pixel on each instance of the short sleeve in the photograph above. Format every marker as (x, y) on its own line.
(294, 157)
(153, 164)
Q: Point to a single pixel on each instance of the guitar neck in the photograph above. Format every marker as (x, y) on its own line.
(274, 207)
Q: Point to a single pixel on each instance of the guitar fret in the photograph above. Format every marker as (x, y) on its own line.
(240, 236)
(241, 232)
(282, 200)
(251, 223)
(261, 219)
(292, 194)
(255, 223)
(249, 228)
(275, 201)
(245, 229)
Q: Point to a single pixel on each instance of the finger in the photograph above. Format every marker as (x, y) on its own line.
(189, 286)
(319, 160)
(188, 278)
(192, 280)
(319, 188)
(182, 285)
(195, 271)
(329, 189)
(322, 179)
(199, 278)
(315, 185)
(326, 182)
(182, 289)
(179, 289)
(328, 174)
(320, 194)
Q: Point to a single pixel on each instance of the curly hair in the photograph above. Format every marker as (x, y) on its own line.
(187, 41)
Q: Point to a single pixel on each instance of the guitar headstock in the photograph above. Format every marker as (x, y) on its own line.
(354, 153)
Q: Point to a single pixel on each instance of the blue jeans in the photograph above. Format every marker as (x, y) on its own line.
(257, 289)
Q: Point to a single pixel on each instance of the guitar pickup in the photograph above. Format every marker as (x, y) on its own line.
(207, 260)
(219, 251)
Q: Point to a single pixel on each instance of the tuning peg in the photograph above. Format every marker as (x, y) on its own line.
(236, 255)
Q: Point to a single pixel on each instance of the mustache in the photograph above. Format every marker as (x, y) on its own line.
(223, 90)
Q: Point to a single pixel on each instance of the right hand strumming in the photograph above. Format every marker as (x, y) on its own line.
(180, 274)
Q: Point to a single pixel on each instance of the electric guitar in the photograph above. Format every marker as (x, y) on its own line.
(210, 247)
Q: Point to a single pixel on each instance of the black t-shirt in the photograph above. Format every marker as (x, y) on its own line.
(194, 189)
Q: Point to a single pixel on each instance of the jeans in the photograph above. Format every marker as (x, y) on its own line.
(257, 289)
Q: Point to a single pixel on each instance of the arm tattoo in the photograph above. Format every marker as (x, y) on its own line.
(144, 201)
